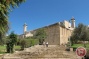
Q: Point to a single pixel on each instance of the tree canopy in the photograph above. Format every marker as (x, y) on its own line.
(80, 33)
(41, 35)
(13, 37)
(5, 6)
(11, 42)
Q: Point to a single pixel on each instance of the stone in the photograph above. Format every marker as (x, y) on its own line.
(71, 49)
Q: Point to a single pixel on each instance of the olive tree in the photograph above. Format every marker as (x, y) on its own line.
(80, 33)
(41, 35)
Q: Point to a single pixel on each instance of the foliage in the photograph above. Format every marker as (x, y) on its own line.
(68, 44)
(13, 38)
(23, 44)
(4, 40)
(80, 33)
(11, 42)
(10, 47)
(80, 45)
(41, 35)
(5, 6)
(31, 42)
(3, 48)
(18, 41)
(28, 42)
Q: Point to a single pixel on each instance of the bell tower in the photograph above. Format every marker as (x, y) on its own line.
(24, 28)
(72, 22)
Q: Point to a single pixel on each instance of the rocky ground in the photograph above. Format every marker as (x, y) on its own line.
(42, 52)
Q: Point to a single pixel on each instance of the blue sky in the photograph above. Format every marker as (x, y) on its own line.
(39, 13)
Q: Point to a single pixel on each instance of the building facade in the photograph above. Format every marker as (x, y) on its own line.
(57, 33)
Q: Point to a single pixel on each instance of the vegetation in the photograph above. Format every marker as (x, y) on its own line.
(28, 42)
(80, 45)
(81, 33)
(11, 42)
(23, 44)
(3, 41)
(5, 7)
(41, 35)
(3, 49)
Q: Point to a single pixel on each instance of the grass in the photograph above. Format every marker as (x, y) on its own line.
(17, 47)
(77, 45)
(3, 49)
(80, 45)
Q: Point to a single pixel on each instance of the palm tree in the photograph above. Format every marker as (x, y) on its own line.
(5, 8)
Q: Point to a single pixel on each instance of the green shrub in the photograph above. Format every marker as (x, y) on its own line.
(23, 44)
(31, 42)
(28, 42)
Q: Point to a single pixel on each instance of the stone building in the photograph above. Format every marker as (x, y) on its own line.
(57, 33)
(25, 32)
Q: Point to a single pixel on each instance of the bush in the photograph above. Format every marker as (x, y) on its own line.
(23, 44)
(10, 46)
(31, 42)
(68, 44)
(11, 42)
(28, 42)
(41, 35)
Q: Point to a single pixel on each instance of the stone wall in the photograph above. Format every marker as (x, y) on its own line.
(64, 35)
(57, 34)
(53, 34)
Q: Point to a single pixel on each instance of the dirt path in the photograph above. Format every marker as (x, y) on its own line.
(41, 52)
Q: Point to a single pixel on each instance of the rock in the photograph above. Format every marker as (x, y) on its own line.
(71, 49)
